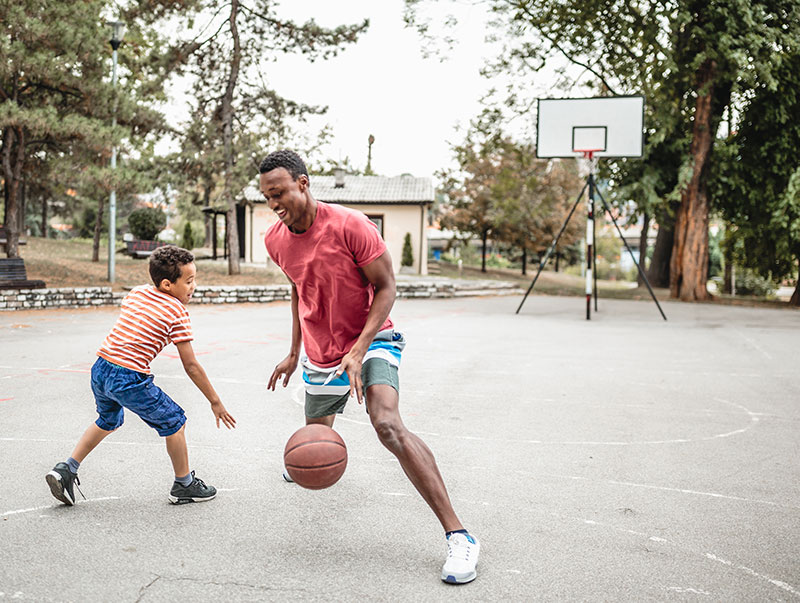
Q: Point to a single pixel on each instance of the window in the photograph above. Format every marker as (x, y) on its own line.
(377, 220)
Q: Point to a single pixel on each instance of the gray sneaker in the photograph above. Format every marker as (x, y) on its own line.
(197, 491)
(62, 483)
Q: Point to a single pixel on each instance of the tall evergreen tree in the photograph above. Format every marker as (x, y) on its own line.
(233, 100)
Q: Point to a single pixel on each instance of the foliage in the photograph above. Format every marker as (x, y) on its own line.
(58, 100)
(758, 176)
(503, 189)
(408, 253)
(188, 236)
(749, 282)
(146, 222)
(235, 120)
(694, 61)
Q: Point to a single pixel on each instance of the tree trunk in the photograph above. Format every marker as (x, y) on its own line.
(689, 263)
(98, 228)
(12, 171)
(45, 229)
(524, 261)
(231, 229)
(658, 274)
(643, 250)
(727, 279)
(795, 299)
(483, 250)
(207, 216)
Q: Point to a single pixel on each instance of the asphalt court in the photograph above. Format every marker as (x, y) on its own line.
(623, 458)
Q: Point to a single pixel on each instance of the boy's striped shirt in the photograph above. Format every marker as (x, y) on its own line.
(149, 320)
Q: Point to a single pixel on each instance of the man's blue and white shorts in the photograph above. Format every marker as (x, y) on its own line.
(327, 394)
(116, 387)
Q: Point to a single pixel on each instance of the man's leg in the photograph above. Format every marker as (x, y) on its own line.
(326, 420)
(415, 457)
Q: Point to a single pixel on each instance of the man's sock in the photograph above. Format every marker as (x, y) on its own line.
(462, 531)
(73, 464)
(186, 480)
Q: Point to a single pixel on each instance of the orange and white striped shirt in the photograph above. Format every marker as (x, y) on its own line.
(148, 321)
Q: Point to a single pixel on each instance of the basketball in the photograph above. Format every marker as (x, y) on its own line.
(315, 456)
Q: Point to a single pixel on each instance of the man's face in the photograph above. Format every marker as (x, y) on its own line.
(184, 287)
(285, 196)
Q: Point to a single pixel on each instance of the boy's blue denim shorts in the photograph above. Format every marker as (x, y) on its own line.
(115, 387)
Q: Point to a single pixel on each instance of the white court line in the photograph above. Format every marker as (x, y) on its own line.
(779, 583)
(19, 511)
(663, 488)
(766, 354)
(754, 418)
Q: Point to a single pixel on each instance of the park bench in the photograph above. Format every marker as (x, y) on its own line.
(138, 248)
(13, 275)
(4, 237)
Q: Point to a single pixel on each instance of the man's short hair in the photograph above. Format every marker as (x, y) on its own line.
(166, 263)
(286, 159)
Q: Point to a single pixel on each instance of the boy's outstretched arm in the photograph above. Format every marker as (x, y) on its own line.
(200, 379)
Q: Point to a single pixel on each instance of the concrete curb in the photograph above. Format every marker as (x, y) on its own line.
(87, 297)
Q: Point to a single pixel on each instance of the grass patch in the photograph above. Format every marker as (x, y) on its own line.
(68, 263)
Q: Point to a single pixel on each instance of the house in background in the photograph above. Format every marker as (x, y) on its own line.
(396, 205)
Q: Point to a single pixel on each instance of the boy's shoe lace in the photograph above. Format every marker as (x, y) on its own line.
(197, 491)
(62, 484)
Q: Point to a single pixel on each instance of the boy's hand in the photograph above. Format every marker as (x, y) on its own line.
(221, 414)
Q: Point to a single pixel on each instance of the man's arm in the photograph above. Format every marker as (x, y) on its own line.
(381, 274)
(196, 373)
(288, 365)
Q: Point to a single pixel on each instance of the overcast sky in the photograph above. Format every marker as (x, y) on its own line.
(382, 85)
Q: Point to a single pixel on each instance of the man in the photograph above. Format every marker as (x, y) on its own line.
(342, 291)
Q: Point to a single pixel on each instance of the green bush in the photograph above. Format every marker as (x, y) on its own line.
(188, 236)
(750, 283)
(145, 223)
(408, 254)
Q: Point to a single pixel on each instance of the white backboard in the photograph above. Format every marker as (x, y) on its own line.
(609, 126)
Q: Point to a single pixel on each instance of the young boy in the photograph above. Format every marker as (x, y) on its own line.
(150, 318)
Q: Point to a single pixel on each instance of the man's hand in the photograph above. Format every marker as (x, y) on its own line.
(351, 364)
(285, 368)
(221, 414)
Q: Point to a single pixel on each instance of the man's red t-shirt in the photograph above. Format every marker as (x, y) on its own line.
(323, 262)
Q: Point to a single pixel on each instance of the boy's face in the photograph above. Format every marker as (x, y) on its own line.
(183, 288)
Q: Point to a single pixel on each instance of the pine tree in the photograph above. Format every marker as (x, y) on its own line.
(408, 253)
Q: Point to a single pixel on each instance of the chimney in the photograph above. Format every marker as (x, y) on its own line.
(338, 178)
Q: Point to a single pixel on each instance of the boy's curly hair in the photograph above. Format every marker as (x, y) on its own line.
(166, 263)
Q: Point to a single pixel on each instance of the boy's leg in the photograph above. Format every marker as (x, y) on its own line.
(178, 452)
(63, 477)
(89, 441)
(187, 488)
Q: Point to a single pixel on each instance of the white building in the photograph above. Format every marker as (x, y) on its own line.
(396, 205)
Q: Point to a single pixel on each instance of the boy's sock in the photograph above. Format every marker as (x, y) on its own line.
(186, 480)
(73, 464)
(448, 534)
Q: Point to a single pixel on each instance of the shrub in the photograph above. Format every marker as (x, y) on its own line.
(188, 236)
(147, 222)
(408, 254)
(750, 283)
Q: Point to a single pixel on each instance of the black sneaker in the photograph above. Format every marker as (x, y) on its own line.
(61, 481)
(197, 491)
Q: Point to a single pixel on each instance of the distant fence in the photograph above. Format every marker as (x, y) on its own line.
(87, 297)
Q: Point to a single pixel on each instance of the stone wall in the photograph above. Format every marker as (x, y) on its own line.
(85, 297)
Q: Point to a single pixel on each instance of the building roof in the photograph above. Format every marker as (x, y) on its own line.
(400, 190)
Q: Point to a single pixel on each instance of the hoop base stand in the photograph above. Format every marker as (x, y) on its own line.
(591, 260)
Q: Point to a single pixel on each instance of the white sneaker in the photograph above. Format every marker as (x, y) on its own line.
(287, 477)
(462, 558)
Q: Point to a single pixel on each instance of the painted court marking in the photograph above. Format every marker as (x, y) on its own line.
(32, 509)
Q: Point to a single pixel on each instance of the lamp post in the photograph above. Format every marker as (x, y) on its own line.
(117, 31)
